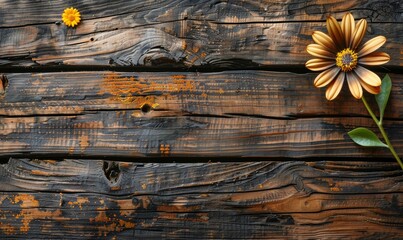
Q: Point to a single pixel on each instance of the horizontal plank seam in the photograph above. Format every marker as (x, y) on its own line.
(189, 114)
(189, 160)
(355, 194)
(189, 20)
(291, 68)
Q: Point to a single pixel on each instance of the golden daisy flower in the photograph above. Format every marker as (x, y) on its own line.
(71, 17)
(340, 56)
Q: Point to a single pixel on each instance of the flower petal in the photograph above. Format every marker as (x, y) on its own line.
(376, 58)
(326, 77)
(324, 40)
(370, 89)
(335, 32)
(348, 26)
(334, 88)
(354, 85)
(359, 33)
(371, 46)
(368, 76)
(318, 64)
(319, 51)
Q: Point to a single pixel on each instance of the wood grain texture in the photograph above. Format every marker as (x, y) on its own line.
(255, 141)
(148, 12)
(235, 113)
(251, 200)
(182, 33)
(223, 94)
(124, 133)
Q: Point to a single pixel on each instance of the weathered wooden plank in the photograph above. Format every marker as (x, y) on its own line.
(251, 200)
(149, 12)
(223, 94)
(182, 33)
(128, 133)
(234, 113)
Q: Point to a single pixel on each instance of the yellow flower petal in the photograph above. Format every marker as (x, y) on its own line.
(359, 33)
(371, 45)
(335, 87)
(319, 51)
(373, 59)
(318, 64)
(348, 26)
(368, 76)
(324, 40)
(370, 89)
(335, 32)
(354, 85)
(324, 78)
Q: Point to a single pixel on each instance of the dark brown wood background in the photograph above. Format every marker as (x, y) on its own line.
(189, 119)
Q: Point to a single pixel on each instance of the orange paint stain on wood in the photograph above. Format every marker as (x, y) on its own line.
(7, 229)
(30, 211)
(110, 224)
(181, 84)
(84, 143)
(86, 125)
(139, 91)
(127, 207)
(165, 149)
(200, 217)
(79, 202)
(71, 150)
(26, 201)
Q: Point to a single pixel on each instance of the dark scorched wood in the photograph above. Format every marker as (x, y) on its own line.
(234, 34)
(270, 200)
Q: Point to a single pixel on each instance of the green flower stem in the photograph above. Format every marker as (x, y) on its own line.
(385, 136)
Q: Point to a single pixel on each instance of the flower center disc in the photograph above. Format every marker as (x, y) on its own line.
(346, 60)
(72, 17)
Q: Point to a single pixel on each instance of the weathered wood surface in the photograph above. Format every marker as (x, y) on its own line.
(180, 33)
(136, 102)
(237, 114)
(78, 199)
(282, 95)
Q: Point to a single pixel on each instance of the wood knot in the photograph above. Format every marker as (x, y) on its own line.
(3, 83)
(111, 171)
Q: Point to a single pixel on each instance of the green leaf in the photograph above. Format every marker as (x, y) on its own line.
(383, 97)
(365, 137)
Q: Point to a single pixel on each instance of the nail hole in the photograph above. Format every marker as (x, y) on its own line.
(92, 39)
(146, 108)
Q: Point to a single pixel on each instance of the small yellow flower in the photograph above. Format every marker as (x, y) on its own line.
(71, 17)
(340, 54)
